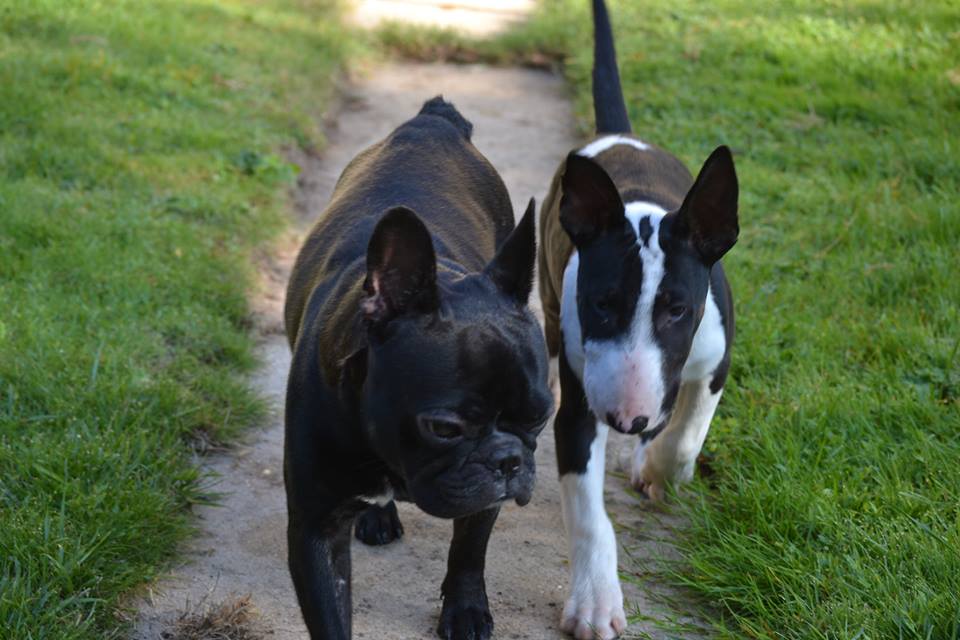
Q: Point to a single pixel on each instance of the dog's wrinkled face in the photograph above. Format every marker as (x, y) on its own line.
(641, 283)
(456, 384)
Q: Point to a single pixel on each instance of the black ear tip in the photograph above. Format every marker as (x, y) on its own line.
(578, 162)
(575, 163)
(401, 267)
(528, 215)
(400, 222)
(401, 218)
(528, 224)
(399, 227)
(722, 154)
(512, 267)
(581, 172)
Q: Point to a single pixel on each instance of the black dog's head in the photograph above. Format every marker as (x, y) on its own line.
(641, 285)
(456, 383)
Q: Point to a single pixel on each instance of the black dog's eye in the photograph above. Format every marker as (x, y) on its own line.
(532, 427)
(536, 427)
(441, 427)
(677, 311)
(444, 429)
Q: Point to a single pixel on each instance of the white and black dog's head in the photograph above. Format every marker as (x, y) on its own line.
(641, 280)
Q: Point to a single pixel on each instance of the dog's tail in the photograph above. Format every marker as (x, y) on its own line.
(609, 108)
(440, 107)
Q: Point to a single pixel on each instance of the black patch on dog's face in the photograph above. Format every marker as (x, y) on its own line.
(693, 239)
(610, 273)
(678, 305)
(608, 284)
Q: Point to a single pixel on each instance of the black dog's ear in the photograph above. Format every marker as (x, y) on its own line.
(512, 268)
(401, 268)
(709, 212)
(590, 204)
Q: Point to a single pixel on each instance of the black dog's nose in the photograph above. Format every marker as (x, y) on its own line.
(510, 465)
(639, 424)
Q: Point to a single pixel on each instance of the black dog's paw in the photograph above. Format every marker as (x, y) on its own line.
(378, 525)
(465, 621)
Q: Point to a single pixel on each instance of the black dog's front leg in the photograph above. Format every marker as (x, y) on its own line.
(466, 614)
(377, 525)
(319, 560)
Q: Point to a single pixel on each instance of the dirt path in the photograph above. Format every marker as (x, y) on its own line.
(476, 17)
(523, 124)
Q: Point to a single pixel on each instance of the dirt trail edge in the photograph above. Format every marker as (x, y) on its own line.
(524, 125)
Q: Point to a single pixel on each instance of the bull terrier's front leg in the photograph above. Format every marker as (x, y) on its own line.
(594, 608)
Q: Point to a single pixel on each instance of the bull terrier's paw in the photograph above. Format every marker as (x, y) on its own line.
(624, 458)
(638, 464)
(643, 478)
(652, 491)
(378, 525)
(465, 619)
(596, 614)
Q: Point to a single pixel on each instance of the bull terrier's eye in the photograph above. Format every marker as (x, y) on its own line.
(605, 303)
(677, 311)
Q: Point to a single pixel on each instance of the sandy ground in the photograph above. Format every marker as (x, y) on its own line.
(476, 17)
(523, 124)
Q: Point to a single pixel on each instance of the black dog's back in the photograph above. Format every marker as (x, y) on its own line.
(427, 164)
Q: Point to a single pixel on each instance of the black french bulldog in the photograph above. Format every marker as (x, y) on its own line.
(418, 372)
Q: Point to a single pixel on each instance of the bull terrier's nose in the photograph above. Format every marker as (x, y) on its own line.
(510, 465)
(639, 424)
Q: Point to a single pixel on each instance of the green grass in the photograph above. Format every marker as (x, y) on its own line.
(139, 167)
(543, 42)
(835, 509)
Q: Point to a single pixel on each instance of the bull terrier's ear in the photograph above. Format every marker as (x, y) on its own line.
(401, 268)
(512, 268)
(709, 212)
(590, 204)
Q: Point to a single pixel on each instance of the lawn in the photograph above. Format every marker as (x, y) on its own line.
(834, 510)
(140, 164)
